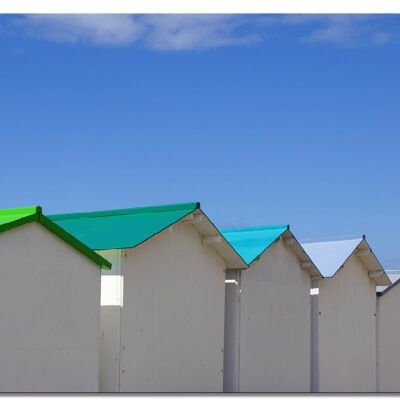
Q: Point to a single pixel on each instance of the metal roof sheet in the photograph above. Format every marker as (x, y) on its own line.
(128, 228)
(8, 215)
(13, 217)
(251, 242)
(124, 228)
(394, 276)
(330, 256)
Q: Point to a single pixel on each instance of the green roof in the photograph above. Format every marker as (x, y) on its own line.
(13, 217)
(120, 229)
(251, 242)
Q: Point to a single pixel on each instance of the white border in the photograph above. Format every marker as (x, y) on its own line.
(200, 6)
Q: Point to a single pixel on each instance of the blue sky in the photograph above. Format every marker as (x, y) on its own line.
(263, 119)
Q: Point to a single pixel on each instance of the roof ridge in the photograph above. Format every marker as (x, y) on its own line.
(125, 211)
(256, 228)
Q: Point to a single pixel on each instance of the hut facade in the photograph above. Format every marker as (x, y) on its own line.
(267, 318)
(388, 343)
(162, 325)
(344, 316)
(49, 306)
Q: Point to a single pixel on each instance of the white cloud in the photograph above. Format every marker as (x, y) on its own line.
(182, 32)
(344, 29)
(188, 31)
(96, 29)
(165, 32)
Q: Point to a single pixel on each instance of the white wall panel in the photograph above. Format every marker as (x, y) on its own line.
(389, 341)
(347, 330)
(49, 313)
(275, 324)
(173, 315)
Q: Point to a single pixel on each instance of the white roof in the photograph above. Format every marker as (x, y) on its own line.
(330, 256)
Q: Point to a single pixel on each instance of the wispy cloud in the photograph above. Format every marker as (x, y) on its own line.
(180, 32)
(188, 32)
(346, 30)
(95, 29)
(163, 32)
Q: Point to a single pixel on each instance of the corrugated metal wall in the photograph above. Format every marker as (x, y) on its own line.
(49, 313)
(275, 324)
(173, 315)
(347, 331)
(389, 341)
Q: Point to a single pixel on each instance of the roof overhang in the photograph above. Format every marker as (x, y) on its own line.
(367, 257)
(212, 237)
(290, 241)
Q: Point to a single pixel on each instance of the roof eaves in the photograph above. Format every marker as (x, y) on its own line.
(247, 265)
(390, 287)
(362, 238)
(256, 258)
(377, 261)
(317, 273)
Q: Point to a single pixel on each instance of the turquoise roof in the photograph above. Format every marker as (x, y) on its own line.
(125, 228)
(251, 242)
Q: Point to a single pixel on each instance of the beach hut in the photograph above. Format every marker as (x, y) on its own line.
(394, 276)
(163, 301)
(344, 319)
(267, 320)
(49, 306)
(388, 349)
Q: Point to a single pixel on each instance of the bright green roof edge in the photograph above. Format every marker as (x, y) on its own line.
(14, 217)
(125, 211)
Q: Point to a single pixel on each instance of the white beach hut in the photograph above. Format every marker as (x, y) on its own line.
(267, 319)
(388, 344)
(49, 306)
(163, 301)
(344, 317)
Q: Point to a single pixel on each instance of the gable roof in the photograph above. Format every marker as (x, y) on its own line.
(13, 217)
(394, 276)
(124, 228)
(330, 256)
(251, 242)
(128, 228)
